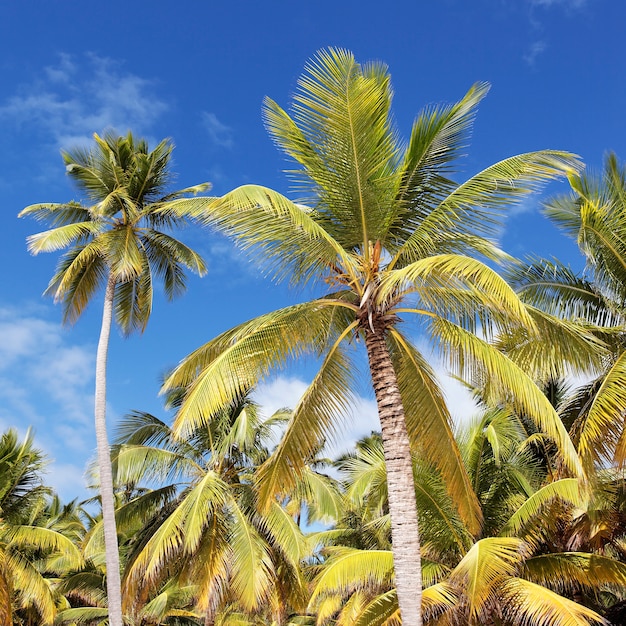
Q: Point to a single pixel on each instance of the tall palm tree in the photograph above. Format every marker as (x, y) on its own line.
(390, 236)
(116, 242)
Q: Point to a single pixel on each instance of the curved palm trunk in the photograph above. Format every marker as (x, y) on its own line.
(400, 483)
(111, 549)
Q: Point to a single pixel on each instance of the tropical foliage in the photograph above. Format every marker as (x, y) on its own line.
(223, 516)
(387, 235)
(119, 242)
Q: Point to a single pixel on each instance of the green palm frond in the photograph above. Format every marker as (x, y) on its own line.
(259, 218)
(446, 273)
(566, 490)
(313, 419)
(602, 437)
(250, 562)
(560, 572)
(507, 381)
(543, 607)
(232, 363)
(484, 568)
(62, 236)
(476, 206)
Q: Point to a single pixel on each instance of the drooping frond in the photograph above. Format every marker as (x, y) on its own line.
(541, 607)
(507, 382)
(315, 417)
(566, 490)
(483, 570)
(430, 426)
(232, 363)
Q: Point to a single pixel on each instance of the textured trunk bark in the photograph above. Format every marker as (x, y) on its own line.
(112, 556)
(400, 483)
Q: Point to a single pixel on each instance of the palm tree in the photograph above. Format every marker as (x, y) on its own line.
(594, 214)
(388, 234)
(199, 526)
(117, 241)
(518, 571)
(34, 550)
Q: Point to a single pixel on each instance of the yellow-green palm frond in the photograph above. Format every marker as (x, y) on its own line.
(505, 382)
(603, 436)
(483, 570)
(87, 615)
(57, 214)
(133, 300)
(565, 571)
(62, 236)
(314, 419)
(30, 586)
(449, 272)
(556, 348)
(439, 134)
(542, 607)
(348, 569)
(345, 140)
(168, 257)
(476, 207)
(231, 364)
(430, 426)
(180, 532)
(567, 490)
(321, 493)
(285, 534)
(274, 228)
(250, 562)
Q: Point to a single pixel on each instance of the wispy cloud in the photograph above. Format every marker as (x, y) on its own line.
(51, 390)
(534, 51)
(78, 96)
(219, 134)
(571, 4)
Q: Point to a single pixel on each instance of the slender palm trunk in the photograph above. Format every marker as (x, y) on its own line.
(112, 555)
(400, 482)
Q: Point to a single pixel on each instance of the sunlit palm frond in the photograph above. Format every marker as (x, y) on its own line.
(483, 570)
(543, 607)
(567, 490)
(479, 360)
(604, 422)
(273, 228)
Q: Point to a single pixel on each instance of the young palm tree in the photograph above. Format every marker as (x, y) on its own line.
(34, 550)
(116, 242)
(208, 533)
(391, 236)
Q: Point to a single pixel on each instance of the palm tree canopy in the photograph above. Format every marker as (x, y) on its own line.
(120, 233)
(384, 228)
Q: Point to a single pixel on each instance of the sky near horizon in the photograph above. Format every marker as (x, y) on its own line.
(198, 73)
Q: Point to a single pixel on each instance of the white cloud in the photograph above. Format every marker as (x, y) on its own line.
(47, 382)
(79, 96)
(220, 134)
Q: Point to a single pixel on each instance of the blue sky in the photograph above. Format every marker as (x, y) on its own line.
(198, 72)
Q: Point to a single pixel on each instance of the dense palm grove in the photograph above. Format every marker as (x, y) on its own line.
(219, 515)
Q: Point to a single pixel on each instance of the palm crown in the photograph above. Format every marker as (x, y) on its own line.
(120, 234)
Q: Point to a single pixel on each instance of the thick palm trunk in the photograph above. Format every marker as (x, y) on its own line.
(112, 555)
(400, 482)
